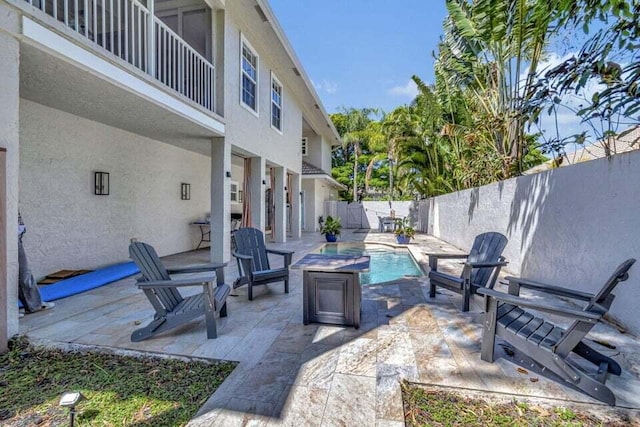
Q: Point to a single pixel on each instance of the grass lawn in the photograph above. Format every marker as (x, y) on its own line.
(121, 390)
(436, 407)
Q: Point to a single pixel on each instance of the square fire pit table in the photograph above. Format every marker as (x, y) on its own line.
(331, 290)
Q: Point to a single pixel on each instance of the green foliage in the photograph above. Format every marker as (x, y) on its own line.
(121, 390)
(331, 225)
(435, 407)
(403, 228)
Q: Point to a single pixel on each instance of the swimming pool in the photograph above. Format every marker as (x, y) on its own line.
(387, 263)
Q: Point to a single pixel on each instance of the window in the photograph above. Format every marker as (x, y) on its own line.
(304, 146)
(276, 103)
(235, 193)
(248, 76)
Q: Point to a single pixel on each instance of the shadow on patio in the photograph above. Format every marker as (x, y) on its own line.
(291, 374)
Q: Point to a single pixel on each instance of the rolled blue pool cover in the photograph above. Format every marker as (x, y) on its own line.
(85, 282)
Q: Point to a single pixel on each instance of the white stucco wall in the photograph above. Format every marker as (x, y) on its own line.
(70, 227)
(243, 128)
(570, 226)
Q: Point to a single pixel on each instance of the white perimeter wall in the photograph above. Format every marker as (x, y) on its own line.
(569, 226)
(68, 226)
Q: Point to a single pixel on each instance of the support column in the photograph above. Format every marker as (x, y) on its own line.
(9, 172)
(280, 202)
(257, 188)
(296, 213)
(220, 200)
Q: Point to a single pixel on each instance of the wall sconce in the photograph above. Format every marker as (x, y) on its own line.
(285, 188)
(228, 174)
(264, 182)
(185, 191)
(101, 180)
(301, 193)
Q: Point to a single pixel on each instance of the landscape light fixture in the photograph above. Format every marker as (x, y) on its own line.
(71, 400)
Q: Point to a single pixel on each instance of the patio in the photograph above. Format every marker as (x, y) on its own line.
(291, 374)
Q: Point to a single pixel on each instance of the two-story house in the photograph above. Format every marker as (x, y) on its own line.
(127, 119)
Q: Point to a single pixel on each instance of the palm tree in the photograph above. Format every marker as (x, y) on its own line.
(355, 127)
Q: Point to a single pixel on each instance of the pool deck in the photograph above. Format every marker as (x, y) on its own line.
(292, 374)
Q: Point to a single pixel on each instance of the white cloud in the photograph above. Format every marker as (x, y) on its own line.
(326, 86)
(409, 90)
(330, 87)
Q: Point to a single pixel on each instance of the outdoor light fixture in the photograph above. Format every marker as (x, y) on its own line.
(285, 188)
(71, 400)
(228, 174)
(264, 182)
(101, 183)
(185, 191)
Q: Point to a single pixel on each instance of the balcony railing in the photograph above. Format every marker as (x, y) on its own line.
(127, 29)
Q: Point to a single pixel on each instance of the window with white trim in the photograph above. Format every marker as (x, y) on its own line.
(249, 76)
(304, 146)
(235, 192)
(276, 103)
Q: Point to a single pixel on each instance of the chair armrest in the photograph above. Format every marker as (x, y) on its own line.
(515, 283)
(286, 254)
(280, 252)
(587, 316)
(445, 255)
(175, 283)
(486, 264)
(241, 256)
(196, 268)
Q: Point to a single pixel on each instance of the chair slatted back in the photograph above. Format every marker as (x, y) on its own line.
(152, 269)
(250, 241)
(487, 248)
(619, 275)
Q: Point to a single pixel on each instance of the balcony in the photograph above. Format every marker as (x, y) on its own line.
(129, 30)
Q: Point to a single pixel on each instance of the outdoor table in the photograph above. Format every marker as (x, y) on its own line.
(205, 232)
(331, 291)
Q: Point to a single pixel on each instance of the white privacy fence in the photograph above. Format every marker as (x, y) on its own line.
(127, 29)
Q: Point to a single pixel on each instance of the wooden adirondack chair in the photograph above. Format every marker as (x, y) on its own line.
(253, 261)
(481, 269)
(172, 309)
(548, 344)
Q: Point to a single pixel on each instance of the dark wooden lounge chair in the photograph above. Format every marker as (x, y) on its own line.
(550, 345)
(481, 269)
(253, 261)
(161, 287)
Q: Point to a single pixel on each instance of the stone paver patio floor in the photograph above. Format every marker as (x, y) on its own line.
(291, 374)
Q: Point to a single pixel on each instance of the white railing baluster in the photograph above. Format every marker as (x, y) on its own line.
(111, 48)
(139, 37)
(94, 15)
(126, 32)
(86, 18)
(103, 30)
(65, 7)
(75, 15)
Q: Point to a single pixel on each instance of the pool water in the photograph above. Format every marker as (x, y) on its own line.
(387, 263)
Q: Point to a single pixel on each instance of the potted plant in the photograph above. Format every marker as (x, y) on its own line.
(404, 232)
(331, 228)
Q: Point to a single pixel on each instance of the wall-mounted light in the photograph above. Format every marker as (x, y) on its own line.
(264, 182)
(228, 174)
(285, 188)
(301, 193)
(101, 181)
(185, 191)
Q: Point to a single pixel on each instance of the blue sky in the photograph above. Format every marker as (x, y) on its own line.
(362, 53)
